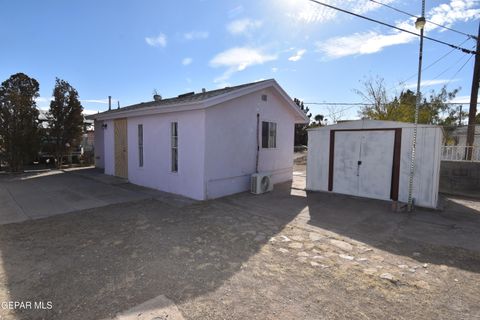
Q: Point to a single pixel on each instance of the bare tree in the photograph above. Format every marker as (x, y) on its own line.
(335, 114)
(375, 95)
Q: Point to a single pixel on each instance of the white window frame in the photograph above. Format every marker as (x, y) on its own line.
(140, 145)
(271, 142)
(174, 146)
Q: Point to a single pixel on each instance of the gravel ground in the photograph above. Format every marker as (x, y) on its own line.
(245, 257)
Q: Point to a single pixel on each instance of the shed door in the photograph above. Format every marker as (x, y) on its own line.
(363, 163)
(121, 148)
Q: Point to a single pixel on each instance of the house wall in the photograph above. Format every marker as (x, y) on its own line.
(427, 161)
(109, 145)
(156, 171)
(231, 142)
(99, 145)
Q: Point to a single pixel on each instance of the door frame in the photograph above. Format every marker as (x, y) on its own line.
(397, 145)
(117, 170)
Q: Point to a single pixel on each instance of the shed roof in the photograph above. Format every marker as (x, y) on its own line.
(371, 124)
(191, 101)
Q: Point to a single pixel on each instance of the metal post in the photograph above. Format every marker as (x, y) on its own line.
(473, 101)
(415, 128)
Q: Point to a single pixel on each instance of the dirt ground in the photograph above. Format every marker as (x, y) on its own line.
(283, 255)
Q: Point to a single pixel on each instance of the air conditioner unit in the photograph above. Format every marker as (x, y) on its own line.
(260, 183)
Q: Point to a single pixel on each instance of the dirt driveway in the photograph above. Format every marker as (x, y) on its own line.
(283, 255)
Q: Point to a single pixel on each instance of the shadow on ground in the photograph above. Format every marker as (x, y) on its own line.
(95, 263)
(448, 236)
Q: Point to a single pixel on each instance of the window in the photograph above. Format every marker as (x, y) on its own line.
(174, 135)
(140, 145)
(269, 134)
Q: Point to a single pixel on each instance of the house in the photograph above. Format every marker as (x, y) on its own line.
(459, 136)
(201, 145)
(371, 159)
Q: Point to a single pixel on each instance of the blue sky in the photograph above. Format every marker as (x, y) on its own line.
(127, 49)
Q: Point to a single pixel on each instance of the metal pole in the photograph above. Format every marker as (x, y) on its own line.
(473, 101)
(417, 106)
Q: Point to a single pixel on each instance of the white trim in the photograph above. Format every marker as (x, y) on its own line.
(302, 118)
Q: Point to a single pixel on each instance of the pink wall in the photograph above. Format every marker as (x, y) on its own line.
(156, 171)
(231, 139)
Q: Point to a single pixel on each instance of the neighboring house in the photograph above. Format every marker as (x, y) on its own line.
(459, 136)
(201, 145)
(371, 159)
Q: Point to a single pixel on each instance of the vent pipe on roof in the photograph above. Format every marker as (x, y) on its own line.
(109, 102)
(157, 97)
(118, 104)
(204, 90)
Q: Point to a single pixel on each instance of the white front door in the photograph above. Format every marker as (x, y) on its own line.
(363, 163)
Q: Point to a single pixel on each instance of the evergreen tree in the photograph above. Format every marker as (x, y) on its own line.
(301, 135)
(65, 119)
(19, 120)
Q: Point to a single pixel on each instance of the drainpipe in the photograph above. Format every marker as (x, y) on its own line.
(258, 142)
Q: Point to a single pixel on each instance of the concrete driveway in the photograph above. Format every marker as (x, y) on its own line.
(42, 194)
(287, 254)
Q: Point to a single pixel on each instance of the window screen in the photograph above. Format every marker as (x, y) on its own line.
(174, 137)
(269, 134)
(140, 145)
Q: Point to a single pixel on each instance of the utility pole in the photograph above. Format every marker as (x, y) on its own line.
(473, 100)
(419, 24)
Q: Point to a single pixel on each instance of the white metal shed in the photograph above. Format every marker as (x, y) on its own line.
(371, 159)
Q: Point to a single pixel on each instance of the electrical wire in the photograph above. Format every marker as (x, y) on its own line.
(429, 66)
(393, 27)
(458, 71)
(414, 16)
(354, 104)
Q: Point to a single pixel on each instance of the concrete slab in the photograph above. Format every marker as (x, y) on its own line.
(39, 195)
(158, 308)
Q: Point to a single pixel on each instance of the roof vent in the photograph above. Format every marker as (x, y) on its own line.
(157, 97)
(186, 94)
(204, 90)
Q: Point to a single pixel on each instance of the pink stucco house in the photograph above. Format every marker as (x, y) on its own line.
(201, 145)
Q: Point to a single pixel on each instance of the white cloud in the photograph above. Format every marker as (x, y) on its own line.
(238, 59)
(373, 41)
(89, 111)
(361, 43)
(456, 10)
(187, 61)
(298, 55)
(100, 101)
(196, 35)
(274, 69)
(426, 83)
(235, 11)
(157, 41)
(43, 99)
(461, 99)
(243, 26)
(308, 12)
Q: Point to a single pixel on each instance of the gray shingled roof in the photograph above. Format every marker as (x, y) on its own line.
(184, 98)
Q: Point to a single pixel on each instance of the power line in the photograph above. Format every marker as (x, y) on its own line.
(458, 71)
(414, 16)
(430, 65)
(393, 27)
(354, 104)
